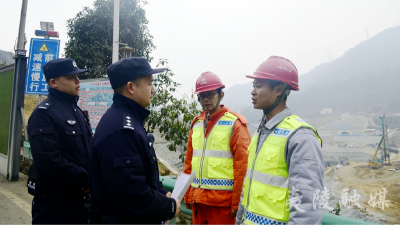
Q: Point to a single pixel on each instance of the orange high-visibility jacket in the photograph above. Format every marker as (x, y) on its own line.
(240, 141)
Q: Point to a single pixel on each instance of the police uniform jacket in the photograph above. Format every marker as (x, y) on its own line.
(124, 179)
(60, 139)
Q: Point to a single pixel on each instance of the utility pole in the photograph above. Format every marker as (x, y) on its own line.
(383, 135)
(387, 141)
(115, 32)
(17, 100)
(21, 31)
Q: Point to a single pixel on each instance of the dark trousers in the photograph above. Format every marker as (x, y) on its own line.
(57, 212)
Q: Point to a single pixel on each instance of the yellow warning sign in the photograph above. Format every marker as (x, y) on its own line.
(44, 48)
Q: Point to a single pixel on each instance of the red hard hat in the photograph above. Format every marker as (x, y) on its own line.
(208, 81)
(279, 69)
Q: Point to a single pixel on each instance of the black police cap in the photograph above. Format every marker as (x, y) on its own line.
(128, 69)
(61, 67)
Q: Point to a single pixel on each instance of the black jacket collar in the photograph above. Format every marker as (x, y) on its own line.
(60, 96)
(131, 107)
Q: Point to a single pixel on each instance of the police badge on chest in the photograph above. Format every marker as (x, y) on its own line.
(71, 122)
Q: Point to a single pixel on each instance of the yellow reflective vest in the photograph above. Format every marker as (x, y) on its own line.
(212, 157)
(266, 186)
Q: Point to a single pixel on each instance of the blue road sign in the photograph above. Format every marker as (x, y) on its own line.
(40, 52)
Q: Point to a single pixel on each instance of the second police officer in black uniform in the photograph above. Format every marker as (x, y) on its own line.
(60, 139)
(124, 180)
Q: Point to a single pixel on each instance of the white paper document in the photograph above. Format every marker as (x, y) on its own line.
(182, 185)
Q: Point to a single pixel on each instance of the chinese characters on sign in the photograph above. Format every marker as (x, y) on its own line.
(96, 98)
(38, 56)
(48, 57)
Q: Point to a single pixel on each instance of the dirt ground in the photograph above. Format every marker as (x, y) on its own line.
(366, 180)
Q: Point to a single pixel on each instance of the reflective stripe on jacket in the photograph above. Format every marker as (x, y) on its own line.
(239, 140)
(212, 158)
(266, 186)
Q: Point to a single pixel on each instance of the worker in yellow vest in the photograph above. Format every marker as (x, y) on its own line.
(217, 150)
(283, 183)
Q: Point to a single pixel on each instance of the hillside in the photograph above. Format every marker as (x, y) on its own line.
(238, 96)
(364, 80)
(369, 57)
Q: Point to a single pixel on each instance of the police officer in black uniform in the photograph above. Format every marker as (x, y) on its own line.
(124, 179)
(60, 138)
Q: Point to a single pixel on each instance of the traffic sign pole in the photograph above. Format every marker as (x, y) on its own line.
(17, 101)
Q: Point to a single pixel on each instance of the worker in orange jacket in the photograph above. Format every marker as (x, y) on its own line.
(217, 150)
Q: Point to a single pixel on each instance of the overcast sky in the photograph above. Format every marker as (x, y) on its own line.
(230, 38)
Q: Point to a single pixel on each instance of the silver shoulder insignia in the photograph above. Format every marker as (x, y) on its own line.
(46, 104)
(127, 123)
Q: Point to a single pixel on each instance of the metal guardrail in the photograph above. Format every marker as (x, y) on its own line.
(327, 219)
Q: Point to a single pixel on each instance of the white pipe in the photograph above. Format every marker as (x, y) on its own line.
(115, 32)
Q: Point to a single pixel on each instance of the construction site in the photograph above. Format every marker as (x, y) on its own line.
(362, 171)
(362, 168)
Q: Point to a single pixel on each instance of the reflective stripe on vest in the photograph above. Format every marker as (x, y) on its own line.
(265, 178)
(212, 157)
(213, 153)
(266, 186)
(258, 219)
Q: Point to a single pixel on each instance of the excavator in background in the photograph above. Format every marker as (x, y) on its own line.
(378, 164)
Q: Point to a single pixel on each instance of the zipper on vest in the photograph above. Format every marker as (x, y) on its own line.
(251, 176)
(203, 154)
(202, 161)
